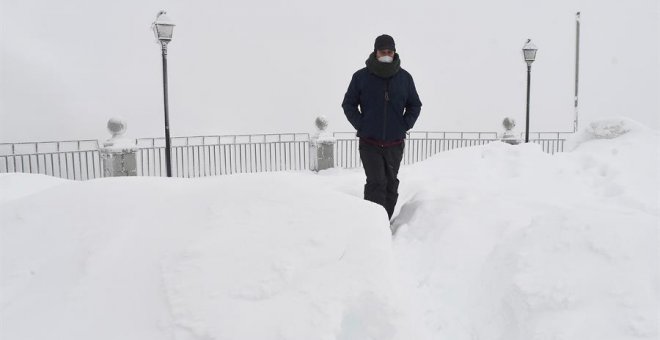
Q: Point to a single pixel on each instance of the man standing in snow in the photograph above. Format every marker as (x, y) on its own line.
(382, 104)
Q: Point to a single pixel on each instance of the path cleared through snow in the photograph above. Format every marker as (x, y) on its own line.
(493, 242)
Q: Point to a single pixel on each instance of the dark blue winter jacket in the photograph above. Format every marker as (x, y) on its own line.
(381, 102)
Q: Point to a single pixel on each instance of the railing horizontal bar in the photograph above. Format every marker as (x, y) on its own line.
(51, 142)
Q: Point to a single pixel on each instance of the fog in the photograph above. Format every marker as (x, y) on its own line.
(245, 67)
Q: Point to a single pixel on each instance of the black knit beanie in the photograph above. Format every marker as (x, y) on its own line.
(384, 42)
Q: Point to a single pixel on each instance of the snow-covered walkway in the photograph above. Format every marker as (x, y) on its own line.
(493, 242)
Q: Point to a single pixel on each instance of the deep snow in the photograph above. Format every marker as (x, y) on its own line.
(492, 242)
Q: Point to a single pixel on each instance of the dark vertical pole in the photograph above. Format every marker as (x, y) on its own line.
(529, 76)
(577, 68)
(168, 163)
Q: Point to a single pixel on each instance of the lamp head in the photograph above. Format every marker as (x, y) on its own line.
(529, 52)
(163, 27)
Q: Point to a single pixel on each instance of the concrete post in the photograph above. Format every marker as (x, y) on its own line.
(118, 153)
(509, 136)
(321, 147)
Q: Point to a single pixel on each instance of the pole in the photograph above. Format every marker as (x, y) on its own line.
(529, 77)
(577, 68)
(168, 163)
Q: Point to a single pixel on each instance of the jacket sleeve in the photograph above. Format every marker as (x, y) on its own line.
(351, 102)
(413, 105)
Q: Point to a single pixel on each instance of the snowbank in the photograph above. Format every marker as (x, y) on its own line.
(606, 129)
(493, 242)
(17, 185)
(240, 257)
(511, 243)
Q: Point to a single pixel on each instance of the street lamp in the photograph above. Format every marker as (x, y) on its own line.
(163, 28)
(529, 52)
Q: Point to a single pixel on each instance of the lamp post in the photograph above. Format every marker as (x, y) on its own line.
(163, 28)
(529, 52)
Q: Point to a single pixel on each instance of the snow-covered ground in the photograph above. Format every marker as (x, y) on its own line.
(493, 242)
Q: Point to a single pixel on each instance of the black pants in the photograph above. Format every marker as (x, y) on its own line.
(381, 165)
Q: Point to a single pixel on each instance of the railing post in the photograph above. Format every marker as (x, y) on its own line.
(321, 147)
(118, 154)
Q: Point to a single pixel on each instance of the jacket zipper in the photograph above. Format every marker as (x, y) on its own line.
(387, 99)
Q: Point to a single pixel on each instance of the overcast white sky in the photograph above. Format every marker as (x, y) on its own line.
(67, 66)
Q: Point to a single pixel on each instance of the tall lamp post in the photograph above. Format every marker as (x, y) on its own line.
(163, 28)
(529, 52)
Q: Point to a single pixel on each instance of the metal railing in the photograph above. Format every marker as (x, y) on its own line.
(26, 148)
(77, 159)
(550, 146)
(199, 156)
(421, 145)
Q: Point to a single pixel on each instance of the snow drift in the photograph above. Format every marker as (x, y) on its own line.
(492, 242)
(511, 243)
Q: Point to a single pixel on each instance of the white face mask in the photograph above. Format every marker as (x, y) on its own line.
(385, 59)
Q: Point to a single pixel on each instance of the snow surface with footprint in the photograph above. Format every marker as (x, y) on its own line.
(492, 242)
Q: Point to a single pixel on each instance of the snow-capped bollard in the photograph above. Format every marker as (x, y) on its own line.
(321, 147)
(118, 153)
(509, 136)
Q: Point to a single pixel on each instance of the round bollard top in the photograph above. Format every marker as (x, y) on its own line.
(509, 123)
(117, 127)
(321, 123)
